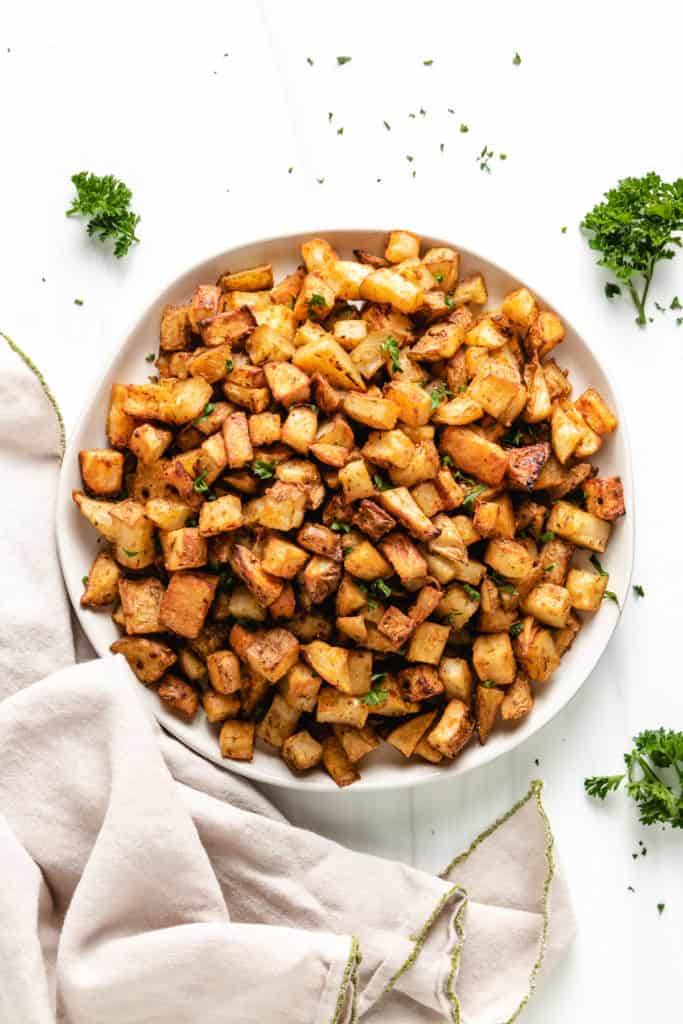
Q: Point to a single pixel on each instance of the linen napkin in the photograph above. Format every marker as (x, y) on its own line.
(143, 884)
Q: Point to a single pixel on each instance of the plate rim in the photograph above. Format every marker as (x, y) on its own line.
(251, 770)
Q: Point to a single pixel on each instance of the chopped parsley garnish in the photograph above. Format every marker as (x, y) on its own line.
(208, 409)
(339, 527)
(471, 592)
(249, 624)
(483, 159)
(229, 365)
(490, 684)
(375, 696)
(200, 486)
(609, 595)
(193, 520)
(548, 535)
(387, 125)
(78, 302)
(675, 303)
(317, 300)
(263, 469)
(502, 583)
(638, 590)
(320, 180)
(472, 495)
(449, 301)
(515, 629)
(330, 116)
(381, 588)
(660, 908)
(106, 202)
(438, 276)
(409, 158)
(84, 580)
(340, 131)
(390, 348)
(446, 460)
(564, 229)
(380, 483)
(309, 60)
(659, 796)
(516, 60)
(438, 392)
(549, 568)
(427, 63)
(612, 289)
(130, 554)
(150, 357)
(464, 128)
(343, 60)
(377, 677)
(637, 225)
(452, 616)
(596, 565)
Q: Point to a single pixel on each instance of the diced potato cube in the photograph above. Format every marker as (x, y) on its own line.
(406, 560)
(178, 695)
(518, 700)
(350, 332)
(299, 429)
(326, 357)
(356, 742)
(428, 643)
(412, 402)
(420, 682)
(453, 730)
(536, 651)
(220, 516)
(148, 659)
(236, 740)
(475, 455)
(224, 671)
(288, 384)
(102, 471)
(192, 666)
(366, 563)
(237, 440)
(406, 737)
(509, 558)
(174, 332)
(119, 424)
(596, 412)
(378, 413)
(272, 654)
(219, 706)
(456, 676)
(282, 558)
(443, 264)
(489, 700)
(301, 752)
(186, 602)
(605, 497)
(389, 286)
(320, 540)
(402, 245)
(300, 687)
(356, 481)
(334, 706)
(520, 307)
(141, 601)
(204, 304)
(396, 625)
(493, 658)
(102, 582)
(279, 723)
(264, 428)
(331, 663)
(586, 590)
(579, 527)
(252, 280)
(389, 449)
(265, 587)
(337, 763)
(545, 333)
(399, 502)
(149, 443)
(183, 549)
(549, 604)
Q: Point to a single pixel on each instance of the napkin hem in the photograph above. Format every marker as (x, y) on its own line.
(46, 389)
(534, 792)
(349, 981)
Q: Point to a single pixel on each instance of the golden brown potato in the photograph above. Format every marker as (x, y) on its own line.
(272, 654)
(279, 723)
(453, 730)
(342, 708)
(428, 643)
(356, 482)
(101, 471)
(178, 695)
(493, 658)
(406, 737)
(265, 587)
(473, 454)
(366, 563)
(549, 604)
(224, 671)
(186, 602)
(605, 497)
(536, 651)
(518, 700)
(487, 705)
(171, 401)
(301, 752)
(337, 762)
(174, 331)
(236, 740)
(220, 516)
(399, 502)
(102, 582)
(141, 601)
(456, 676)
(326, 357)
(397, 626)
(420, 682)
(252, 280)
(183, 549)
(148, 659)
(581, 528)
(586, 590)
(389, 286)
(219, 706)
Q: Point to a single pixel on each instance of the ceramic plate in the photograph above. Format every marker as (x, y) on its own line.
(386, 768)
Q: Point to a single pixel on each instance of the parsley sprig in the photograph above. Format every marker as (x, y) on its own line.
(637, 225)
(390, 348)
(654, 777)
(106, 202)
(263, 469)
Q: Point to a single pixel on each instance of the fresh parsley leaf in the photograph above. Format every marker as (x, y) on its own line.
(472, 495)
(450, 302)
(340, 131)
(387, 125)
(263, 469)
(446, 460)
(502, 583)
(438, 276)
(609, 595)
(317, 300)
(471, 592)
(660, 908)
(548, 535)
(309, 60)
(516, 60)
(502, 156)
(106, 202)
(637, 225)
(150, 357)
(452, 616)
(78, 302)
(381, 588)
(208, 409)
(483, 159)
(490, 684)
(84, 580)
(438, 392)
(596, 565)
(343, 60)
(229, 365)
(249, 624)
(549, 568)
(330, 116)
(380, 483)
(339, 527)
(193, 520)
(377, 677)
(200, 486)
(320, 180)
(564, 230)
(515, 629)
(658, 794)
(427, 63)
(675, 303)
(390, 348)
(638, 590)
(131, 554)
(612, 289)
(374, 697)
(409, 158)
(464, 128)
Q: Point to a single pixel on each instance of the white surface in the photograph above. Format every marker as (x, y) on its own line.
(595, 98)
(77, 540)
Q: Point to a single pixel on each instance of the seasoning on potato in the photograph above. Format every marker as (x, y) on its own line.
(350, 508)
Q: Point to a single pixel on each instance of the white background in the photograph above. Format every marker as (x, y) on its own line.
(205, 140)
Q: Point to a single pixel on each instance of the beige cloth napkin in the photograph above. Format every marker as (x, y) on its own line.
(142, 884)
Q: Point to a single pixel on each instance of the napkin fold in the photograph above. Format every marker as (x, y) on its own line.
(143, 884)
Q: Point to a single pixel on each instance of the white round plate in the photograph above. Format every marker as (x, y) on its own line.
(386, 768)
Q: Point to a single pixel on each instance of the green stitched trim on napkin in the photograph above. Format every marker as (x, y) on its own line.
(350, 977)
(534, 792)
(455, 960)
(43, 383)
